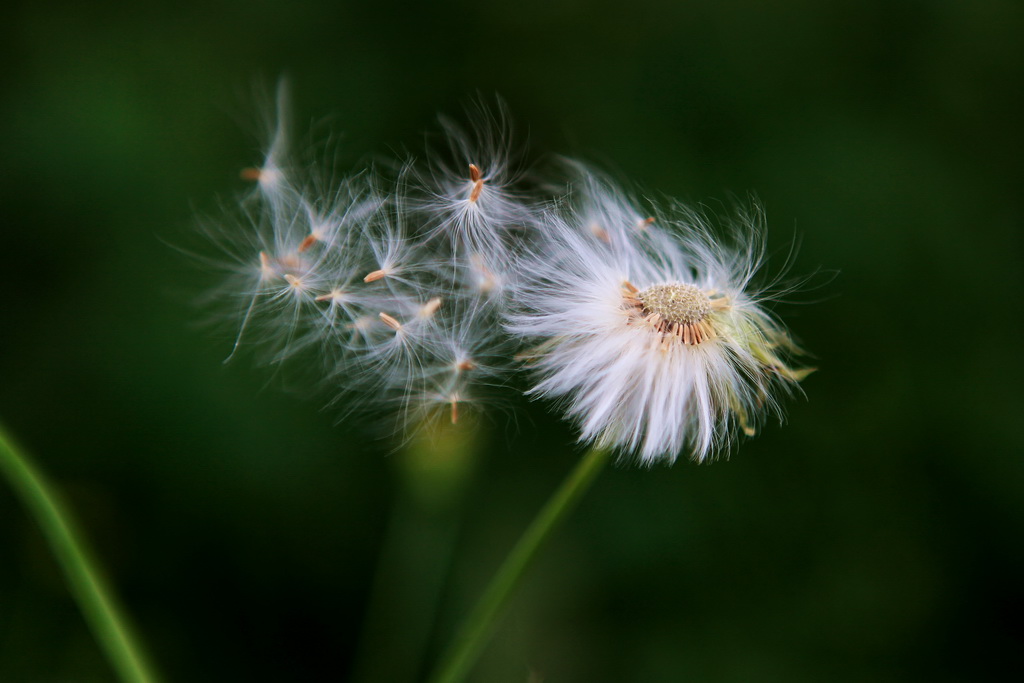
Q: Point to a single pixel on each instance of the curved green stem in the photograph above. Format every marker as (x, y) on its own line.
(87, 585)
(473, 635)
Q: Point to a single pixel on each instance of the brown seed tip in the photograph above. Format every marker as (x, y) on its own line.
(360, 323)
(333, 294)
(430, 308)
(390, 322)
(600, 233)
(307, 243)
(455, 410)
(465, 366)
(375, 275)
(478, 183)
(487, 279)
(266, 267)
(252, 174)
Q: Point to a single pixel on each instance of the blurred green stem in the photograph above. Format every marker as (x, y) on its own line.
(477, 628)
(87, 585)
(432, 473)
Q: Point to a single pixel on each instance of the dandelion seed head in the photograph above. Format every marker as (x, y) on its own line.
(417, 290)
(649, 340)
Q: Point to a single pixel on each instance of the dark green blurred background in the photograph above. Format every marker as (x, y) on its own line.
(876, 537)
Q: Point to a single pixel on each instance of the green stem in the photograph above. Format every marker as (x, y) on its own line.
(87, 585)
(432, 475)
(473, 635)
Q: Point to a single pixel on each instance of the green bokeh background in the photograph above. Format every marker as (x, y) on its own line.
(876, 537)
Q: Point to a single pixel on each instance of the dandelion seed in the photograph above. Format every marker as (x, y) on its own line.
(477, 215)
(430, 308)
(600, 233)
(267, 271)
(478, 183)
(309, 241)
(334, 296)
(390, 322)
